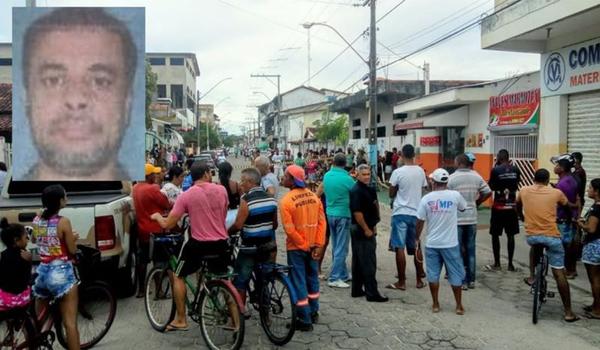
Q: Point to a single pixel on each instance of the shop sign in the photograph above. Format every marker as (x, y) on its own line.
(520, 108)
(571, 69)
(430, 141)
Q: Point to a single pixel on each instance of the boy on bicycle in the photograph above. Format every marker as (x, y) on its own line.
(537, 206)
(206, 205)
(304, 224)
(257, 219)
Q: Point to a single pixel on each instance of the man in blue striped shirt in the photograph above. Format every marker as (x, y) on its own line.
(257, 219)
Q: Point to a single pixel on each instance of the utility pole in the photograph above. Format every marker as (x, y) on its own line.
(307, 27)
(197, 123)
(373, 95)
(277, 116)
(426, 77)
(207, 134)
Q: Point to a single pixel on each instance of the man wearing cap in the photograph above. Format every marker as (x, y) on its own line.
(147, 200)
(439, 209)
(475, 191)
(304, 225)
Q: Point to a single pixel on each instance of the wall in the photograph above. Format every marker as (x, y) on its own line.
(386, 112)
(6, 71)
(427, 156)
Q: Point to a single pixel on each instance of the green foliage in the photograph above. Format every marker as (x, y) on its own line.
(333, 130)
(192, 136)
(151, 79)
(232, 140)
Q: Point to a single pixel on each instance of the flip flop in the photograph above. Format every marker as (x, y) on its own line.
(571, 320)
(527, 282)
(394, 287)
(171, 328)
(422, 285)
(492, 268)
(591, 315)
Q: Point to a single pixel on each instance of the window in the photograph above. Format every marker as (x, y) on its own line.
(378, 118)
(356, 134)
(356, 122)
(5, 61)
(402, 132)
(176, 61)
(402, 116)
(177, 95)
(161, 90)
(157, 61)
(381, 131)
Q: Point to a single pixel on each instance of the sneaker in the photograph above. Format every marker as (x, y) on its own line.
(338, 284)
(349, 279)
(471, 285)
(314, 317)
(465, 287)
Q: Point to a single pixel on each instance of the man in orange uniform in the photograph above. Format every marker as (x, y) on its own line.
(304, 224)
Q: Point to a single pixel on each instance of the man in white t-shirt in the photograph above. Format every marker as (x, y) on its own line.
(406, 187)
(440, 210)
(277, 164)
(269, 181)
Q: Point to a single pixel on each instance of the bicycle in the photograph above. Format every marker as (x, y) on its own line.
(210, 303)
(28, 328)
(271, 294)
(539, 287)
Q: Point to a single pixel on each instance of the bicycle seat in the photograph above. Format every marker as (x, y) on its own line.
(169, 238)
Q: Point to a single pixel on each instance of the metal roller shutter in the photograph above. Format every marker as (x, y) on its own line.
(583, 131)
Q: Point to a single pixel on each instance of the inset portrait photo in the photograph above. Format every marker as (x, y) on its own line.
(78, 94)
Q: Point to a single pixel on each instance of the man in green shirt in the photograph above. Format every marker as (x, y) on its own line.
(299, 161)
(337, 184)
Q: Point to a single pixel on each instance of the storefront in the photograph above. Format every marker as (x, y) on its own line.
(571, 81)
(514, 120)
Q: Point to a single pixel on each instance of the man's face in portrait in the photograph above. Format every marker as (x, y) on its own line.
(78, 98)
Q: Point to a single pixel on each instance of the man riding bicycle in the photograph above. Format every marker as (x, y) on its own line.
(206, 205)
(257, 219)
(537, 205)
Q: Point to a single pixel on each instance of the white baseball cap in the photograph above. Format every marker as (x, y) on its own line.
(440, 175)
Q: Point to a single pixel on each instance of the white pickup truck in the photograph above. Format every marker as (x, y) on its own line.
(96, 213)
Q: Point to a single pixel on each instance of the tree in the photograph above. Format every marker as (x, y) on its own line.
(192, 136)
(335, 131)
(151, 79)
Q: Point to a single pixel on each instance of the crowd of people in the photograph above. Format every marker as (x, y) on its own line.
(330, 202)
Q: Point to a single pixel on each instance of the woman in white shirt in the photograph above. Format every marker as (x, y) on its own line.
(173, 181)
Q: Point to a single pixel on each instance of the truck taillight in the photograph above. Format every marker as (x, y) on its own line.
(105, 232)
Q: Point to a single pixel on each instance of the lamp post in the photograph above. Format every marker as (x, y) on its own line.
(307, 26)
(198, 98)
(372, 63)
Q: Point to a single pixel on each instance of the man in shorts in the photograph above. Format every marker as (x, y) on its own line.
(257, 219)
(206, 205)
(439, 209)
(537, 206)
(504, 181)
(406, 189)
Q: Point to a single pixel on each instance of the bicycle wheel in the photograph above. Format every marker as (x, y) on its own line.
(537, 290)
(277, 311)
(16, 331)
(221, 318)
(158, 299)
(95, 315)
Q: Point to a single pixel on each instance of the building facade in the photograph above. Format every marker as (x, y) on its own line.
(5, 63)
(479, 118)
(567, 35)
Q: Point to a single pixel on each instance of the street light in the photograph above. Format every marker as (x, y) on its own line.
(198, 98)
(261, 93)
(308, 25)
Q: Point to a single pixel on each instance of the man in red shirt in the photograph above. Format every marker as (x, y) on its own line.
(395, 158)
(147, 200)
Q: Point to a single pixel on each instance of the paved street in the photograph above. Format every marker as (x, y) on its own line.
(498, 314)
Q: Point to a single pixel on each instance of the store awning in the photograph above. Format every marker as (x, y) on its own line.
(455, 117)
(178, 137)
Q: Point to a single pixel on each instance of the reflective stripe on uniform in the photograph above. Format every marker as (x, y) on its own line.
(303, 302)
(314, 295)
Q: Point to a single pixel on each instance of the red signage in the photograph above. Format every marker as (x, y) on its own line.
(520, 108)
(429, 141)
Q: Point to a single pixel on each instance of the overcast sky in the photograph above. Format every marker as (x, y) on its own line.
(236, 38)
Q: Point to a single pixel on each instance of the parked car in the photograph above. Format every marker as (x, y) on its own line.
(95, 209)
(207, 158)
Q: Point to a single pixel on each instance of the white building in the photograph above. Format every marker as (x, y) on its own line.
(6, 63)
(567, 35)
